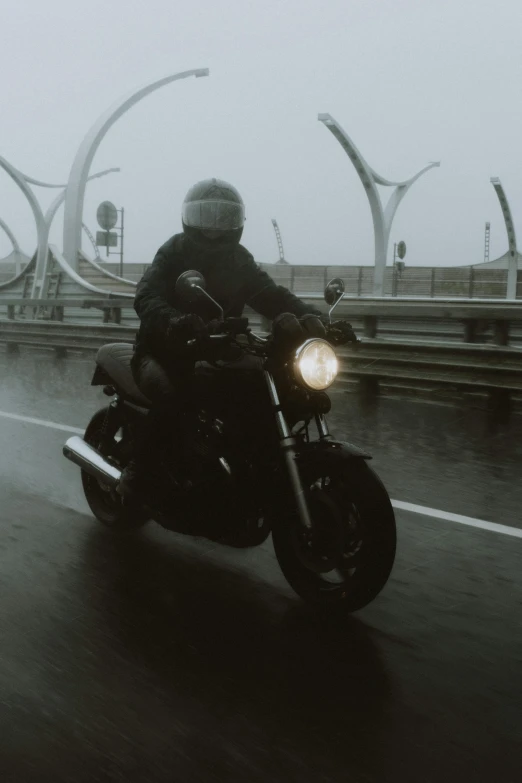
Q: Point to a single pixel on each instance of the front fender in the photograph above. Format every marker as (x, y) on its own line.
(330, 453)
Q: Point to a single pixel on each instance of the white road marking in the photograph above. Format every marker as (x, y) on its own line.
(458, 518)
(398, 504)
(41, 422)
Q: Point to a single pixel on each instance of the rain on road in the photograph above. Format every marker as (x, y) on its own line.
(158, 658)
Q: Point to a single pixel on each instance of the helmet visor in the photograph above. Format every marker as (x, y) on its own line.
(216, 215)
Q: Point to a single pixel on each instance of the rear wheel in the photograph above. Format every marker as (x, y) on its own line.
(349, 556)
(106, 433)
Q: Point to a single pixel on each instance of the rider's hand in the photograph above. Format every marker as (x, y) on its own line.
(186, 327)
(313, 325)
(215, 326)
(341, 332)
(286, 329)
(235, 325)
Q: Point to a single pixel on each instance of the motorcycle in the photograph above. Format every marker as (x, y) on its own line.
(330, 516)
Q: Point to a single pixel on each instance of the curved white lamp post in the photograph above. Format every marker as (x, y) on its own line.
(41, 229)
(16, 247)
(382, 217)
(17, 250)
(43, 222)
(80, 169)
(511, 292)
(60, 198)
(54, 207)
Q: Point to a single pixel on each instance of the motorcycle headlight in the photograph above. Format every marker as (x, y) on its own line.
(316, 364)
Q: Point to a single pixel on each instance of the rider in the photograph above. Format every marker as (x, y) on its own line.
(213, 216)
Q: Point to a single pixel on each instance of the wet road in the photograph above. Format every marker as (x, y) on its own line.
(159, 658)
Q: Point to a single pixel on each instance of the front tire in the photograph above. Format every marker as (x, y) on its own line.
(351, 553)
(107, 433)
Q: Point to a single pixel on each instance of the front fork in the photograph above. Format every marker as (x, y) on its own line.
(289, 447)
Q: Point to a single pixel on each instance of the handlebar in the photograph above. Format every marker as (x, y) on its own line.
(335, 338)
(232, 327)
(215, 338)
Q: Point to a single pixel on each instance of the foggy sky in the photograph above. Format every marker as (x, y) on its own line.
(411, 81)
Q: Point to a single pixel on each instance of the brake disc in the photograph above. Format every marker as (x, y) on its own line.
(322, 550)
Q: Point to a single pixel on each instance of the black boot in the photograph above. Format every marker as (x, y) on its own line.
(135, 476)
(164, 433)
(133, 482)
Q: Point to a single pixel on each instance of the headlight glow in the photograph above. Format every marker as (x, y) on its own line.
(316, 364)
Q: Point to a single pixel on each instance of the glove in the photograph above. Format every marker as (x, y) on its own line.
(287, 331)
(185, 327)
(313, 325)
(234, 325)
(341, 333)
(215, 326)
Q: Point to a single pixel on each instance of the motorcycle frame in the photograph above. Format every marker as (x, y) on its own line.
(288, 442)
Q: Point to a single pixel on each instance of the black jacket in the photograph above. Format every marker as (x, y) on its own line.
(234, 281)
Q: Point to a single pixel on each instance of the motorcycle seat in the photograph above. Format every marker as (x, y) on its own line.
(115, 359)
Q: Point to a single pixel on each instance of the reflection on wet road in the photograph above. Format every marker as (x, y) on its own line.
(458, 459)
(161, 658)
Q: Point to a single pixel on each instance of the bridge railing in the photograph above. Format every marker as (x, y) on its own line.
(107, 310)
(471, 282)
(406, 343)
(470, 321)
(428, 282)
(477, 321)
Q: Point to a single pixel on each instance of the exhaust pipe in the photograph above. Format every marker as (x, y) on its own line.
(91, 461)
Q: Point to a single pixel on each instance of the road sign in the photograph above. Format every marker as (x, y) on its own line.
(107, 215)
(401, 249)
(107, 238)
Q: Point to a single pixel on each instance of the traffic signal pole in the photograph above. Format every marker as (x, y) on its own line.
(120, 233)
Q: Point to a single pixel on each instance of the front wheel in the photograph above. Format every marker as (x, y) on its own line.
(347, 559)
(106, 433)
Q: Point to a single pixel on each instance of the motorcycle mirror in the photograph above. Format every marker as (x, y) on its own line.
(333, 293)
(190, 285)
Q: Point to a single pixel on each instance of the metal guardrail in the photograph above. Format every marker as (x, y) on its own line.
(476, 321)
(493, 369)
(460, 365)
(61, 336)
(54, 309)
(472, 321)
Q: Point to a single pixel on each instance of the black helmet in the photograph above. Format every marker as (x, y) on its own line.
(214, 208)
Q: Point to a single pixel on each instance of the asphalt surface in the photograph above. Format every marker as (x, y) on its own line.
(162, 658)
